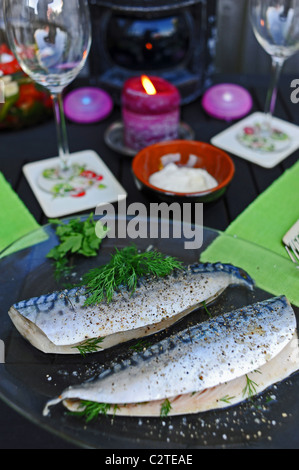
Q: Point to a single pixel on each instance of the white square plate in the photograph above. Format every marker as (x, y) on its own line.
(229, 142)
(108, 191)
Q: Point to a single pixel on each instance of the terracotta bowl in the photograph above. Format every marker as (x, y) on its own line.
(208, 157)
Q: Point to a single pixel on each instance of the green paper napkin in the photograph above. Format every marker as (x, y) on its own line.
(264, 223)
(15, 219)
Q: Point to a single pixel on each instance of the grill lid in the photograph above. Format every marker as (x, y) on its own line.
(145, 5)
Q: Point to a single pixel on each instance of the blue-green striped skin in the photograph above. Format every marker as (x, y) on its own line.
(46, 303)
(60, 321)
(73, 296)
(204, 356)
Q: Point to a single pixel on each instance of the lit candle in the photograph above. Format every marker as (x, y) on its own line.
(151, 111)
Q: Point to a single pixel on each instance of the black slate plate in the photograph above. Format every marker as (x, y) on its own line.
(29, 378)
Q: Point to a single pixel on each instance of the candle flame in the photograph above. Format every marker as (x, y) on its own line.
(148, 85)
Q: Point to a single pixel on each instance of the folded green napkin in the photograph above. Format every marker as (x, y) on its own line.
(15, 219)
(264, 223)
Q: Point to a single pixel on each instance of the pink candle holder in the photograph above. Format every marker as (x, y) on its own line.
(149, 115)
(227, 101)
(87, 105)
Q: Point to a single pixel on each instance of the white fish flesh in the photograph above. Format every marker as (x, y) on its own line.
(60, 322)
(224, 395)
(197, 368)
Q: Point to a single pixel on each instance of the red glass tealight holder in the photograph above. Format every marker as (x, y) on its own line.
(150, 111)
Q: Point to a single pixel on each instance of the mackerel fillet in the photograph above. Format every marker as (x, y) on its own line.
(196, 368)
(60, 322)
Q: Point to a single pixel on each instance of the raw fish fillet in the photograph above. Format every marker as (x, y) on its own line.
(60, 322)
(195, 370)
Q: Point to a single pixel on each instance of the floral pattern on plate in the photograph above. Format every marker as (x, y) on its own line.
(257, 137)
(79, 180)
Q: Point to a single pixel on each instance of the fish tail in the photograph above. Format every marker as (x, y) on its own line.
(239, 274)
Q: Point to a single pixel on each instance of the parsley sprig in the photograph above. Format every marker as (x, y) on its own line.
(125, 268)
(75, 237)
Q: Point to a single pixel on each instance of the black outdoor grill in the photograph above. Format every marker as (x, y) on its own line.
(168, 38)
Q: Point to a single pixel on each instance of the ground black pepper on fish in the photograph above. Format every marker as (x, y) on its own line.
(214, 364)
(60, 322)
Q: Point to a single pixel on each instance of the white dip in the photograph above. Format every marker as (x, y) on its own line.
(182, 179)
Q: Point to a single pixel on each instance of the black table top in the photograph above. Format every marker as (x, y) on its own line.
(28, 145)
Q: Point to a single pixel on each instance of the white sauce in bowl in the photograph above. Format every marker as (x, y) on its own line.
(183, 179)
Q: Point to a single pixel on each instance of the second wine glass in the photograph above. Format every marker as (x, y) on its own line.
(51, 40)
(275, 24)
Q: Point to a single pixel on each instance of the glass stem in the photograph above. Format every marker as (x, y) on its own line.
(277, 65)
(62, 139)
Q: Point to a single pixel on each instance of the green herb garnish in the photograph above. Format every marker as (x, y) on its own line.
(89, 346)
(75, 237)
(92, 410)
(250, 388)
(206, 309)
(226, 399)
(165, 408)
(124, 270)
(140, 346)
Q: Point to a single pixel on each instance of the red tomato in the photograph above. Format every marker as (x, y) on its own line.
(79, 194)
(8, 68)
(249, 130)
(88, 174)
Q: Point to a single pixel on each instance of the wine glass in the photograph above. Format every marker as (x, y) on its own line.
(51, 40)
(275, 24)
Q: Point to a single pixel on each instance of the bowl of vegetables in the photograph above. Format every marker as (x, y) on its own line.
(23, 102)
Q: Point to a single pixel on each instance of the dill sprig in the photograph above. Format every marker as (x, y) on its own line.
(226, 399)
(140, 346)
(125, 268)
(206, 309)
(165, 408)
(250, 388)
(91, 410)
(89, 346)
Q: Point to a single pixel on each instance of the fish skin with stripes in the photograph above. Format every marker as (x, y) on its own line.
(215, 364)
(60, 322)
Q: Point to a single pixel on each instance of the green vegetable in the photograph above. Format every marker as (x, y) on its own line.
(125, 268)
(76, 237)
